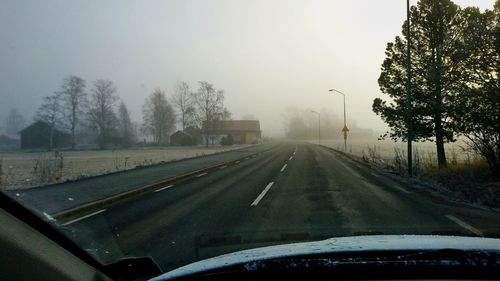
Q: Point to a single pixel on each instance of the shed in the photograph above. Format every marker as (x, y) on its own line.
(37, 136)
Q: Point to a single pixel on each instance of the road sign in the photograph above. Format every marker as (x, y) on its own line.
(345, 130)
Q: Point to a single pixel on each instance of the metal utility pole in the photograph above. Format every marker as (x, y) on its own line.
(345, 129)
(409, 94)
(319, 126)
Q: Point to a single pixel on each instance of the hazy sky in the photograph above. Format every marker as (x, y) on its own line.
(266, 55)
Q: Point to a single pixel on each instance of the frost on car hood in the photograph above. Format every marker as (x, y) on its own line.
(343, 244)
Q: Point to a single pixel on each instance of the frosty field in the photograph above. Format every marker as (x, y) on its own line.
(25, 169)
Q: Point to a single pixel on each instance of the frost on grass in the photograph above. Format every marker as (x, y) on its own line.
(20, 170)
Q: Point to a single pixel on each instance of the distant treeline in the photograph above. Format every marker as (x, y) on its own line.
(96, 115)
(302, 124)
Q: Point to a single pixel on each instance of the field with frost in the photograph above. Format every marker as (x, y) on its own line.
(21, 169)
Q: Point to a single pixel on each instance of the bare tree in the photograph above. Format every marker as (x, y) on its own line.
(210, 107)
(50, 113)
(125, 126)
(101, 114)
(73, 96)
(158, 117)
(15, 122)
(183, 102)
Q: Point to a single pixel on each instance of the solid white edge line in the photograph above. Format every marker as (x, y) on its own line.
(201, 175)
(262, 194)
(163, 188)
(465, 225)
(84, 217)
(284, 167)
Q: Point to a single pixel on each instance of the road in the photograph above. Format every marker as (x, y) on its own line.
(292, 192)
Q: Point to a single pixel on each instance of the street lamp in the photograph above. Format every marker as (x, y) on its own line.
(345, 129)
(319, 126)
(409, 105)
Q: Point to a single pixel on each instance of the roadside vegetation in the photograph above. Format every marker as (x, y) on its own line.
(456, 95)
(467, 177)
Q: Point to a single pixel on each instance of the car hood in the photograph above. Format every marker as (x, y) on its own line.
(336, 245)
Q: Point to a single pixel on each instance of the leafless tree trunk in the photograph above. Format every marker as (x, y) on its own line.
(183, 101)
(73, 96)
(101, 114)
(50, 112)
(158, 117)
(125, 128)
(210, 106)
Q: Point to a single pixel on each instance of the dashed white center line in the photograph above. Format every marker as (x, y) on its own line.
(84, 217)
(223, 167)
(283, 168)
(163, 188)
(201, 175)
(291, 157)
(237, 162)
(465, 225)
(294, 152)
(262, 194)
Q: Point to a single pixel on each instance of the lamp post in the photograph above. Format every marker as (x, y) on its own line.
(319, 125)
(345, 129)
(409, 93)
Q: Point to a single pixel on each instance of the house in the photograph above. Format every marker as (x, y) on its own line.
(181, 138)
(242, 131)
(37, 136)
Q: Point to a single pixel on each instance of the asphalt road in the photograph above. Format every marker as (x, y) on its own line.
(292, 192)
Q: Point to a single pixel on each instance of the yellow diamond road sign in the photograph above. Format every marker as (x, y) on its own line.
(345, 130)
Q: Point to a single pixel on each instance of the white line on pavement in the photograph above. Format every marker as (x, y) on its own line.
(163, 188)
(201, 175)
(84, 217)
(223, 167)
(237, 162)
(284, 167)
(465, 225)
(291, 157)
(262, 194)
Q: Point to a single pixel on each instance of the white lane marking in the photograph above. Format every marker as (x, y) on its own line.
(294, 152)
(291, 157)
(402, 189)
(262, 194)
(237, 162)
(84, 217)
(201, 175)
(284, 167)
(223, 167)
(465, 225)
(246, 158)
(163, 188)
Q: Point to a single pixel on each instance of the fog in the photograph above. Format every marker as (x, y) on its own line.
(266, 55)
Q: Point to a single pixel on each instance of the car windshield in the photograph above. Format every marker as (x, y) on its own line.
(183, 130)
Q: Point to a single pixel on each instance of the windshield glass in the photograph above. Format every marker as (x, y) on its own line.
(182, 130)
